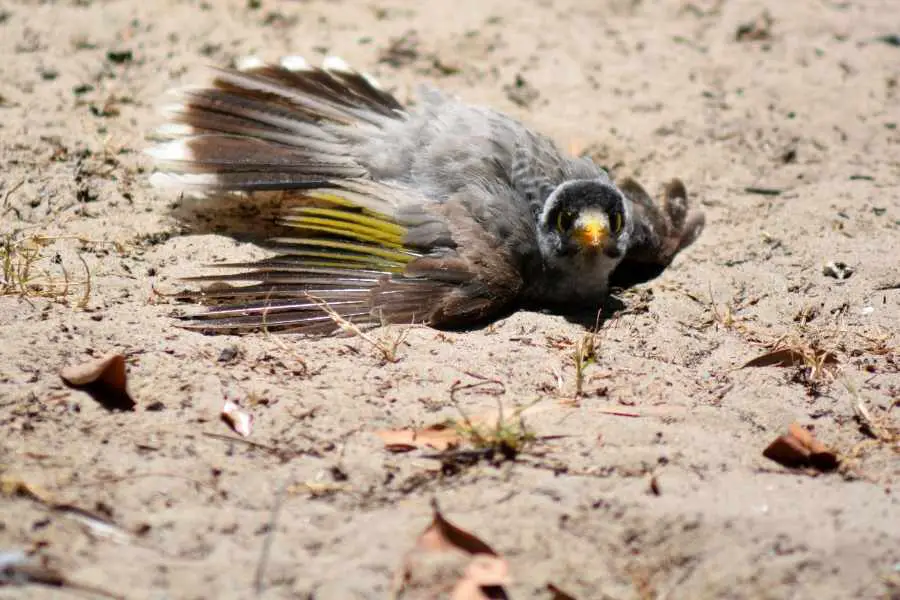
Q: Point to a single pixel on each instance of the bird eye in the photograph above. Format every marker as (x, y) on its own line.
(618, 222)
(564, 220)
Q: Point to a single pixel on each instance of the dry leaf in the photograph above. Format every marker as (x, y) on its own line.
(790, 357)
(558, 594)
(477, 573)
(439, 437)
(239, 421)
(757, 30)
(800, 449)
(442, 535)
(483, 580)
(104, 379)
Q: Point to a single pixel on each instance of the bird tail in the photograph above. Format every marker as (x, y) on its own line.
(266, 127)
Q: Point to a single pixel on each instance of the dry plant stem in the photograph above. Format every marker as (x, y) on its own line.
(865, 417)
(726, 319)
(388, 350)
(250, 443)
(22, 274)
(456, 387)
(10, 192)
(284, 347)
(471, 430)
(585, 355)
(504, 437)
(87, 284)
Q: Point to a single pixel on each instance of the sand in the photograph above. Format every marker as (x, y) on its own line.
(787, 138)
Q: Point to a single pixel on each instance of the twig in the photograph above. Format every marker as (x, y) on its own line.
(618, 413)
(120, 478)
(456, 387)
(270, 537)
(763, 191)
(282, 454)
(10, 192)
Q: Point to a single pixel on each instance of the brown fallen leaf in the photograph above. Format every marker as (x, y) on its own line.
(484, 579)
(440, 437)
(759, 29)
(443, 535)
(239, 421)
(558, 594)
(798, 448)
(479, 572)
(104, 379)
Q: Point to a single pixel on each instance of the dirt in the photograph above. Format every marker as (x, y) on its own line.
(780, 117)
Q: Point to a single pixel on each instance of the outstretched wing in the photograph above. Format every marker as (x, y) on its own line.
(356, 250)
(661, 231)
(368, 253)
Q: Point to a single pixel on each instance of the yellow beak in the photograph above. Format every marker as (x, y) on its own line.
(592, 233)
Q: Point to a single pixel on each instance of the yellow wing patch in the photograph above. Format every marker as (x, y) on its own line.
(341, 234)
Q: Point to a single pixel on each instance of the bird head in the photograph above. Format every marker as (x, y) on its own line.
(589, 218)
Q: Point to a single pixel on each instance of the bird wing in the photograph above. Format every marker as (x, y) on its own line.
(367, 253)
(356, 248)
(661, 231)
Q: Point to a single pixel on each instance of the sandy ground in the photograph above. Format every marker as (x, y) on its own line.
(804, 106)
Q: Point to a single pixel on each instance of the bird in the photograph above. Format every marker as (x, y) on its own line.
(437, 212)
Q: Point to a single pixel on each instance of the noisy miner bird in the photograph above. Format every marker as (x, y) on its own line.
(439, 213)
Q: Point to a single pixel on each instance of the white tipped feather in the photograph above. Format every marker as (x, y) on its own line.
(339, 65)
(164, 180)
(174, 130)
(173, 108)
(245, 63)
(182, 182)
(371, 81)
(336, 63)
(294, 63)
(179, 93)
(172, 151)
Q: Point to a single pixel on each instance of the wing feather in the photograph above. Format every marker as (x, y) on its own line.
(372, 251)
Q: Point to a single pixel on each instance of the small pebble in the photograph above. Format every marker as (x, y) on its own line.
(838, 270)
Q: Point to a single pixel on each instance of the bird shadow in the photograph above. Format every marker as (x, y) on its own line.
(589, 317)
